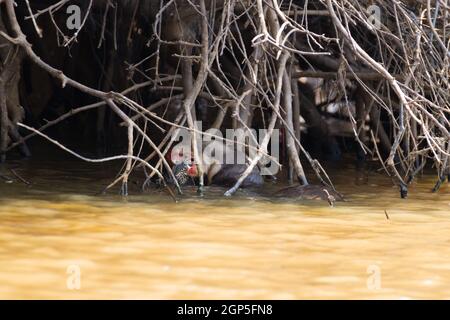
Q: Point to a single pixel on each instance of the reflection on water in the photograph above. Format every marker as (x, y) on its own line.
(247, 246)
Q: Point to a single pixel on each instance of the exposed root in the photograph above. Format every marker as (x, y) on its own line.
(254, 63)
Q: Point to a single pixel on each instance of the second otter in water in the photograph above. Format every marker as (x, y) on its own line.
(310, 192)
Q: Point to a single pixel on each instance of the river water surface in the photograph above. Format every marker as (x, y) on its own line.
(58, 239)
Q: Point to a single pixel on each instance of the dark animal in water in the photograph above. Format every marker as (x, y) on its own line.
(216, 172)
(226, 175)
(229, 174)
(310, 192)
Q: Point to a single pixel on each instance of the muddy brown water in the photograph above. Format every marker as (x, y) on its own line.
(58, 239)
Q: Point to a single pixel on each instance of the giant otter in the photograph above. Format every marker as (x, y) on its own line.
(215, 170)
(310, 192)
(228, 174)
(225, 175)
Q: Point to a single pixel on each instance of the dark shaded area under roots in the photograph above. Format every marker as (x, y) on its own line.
(333, 118)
